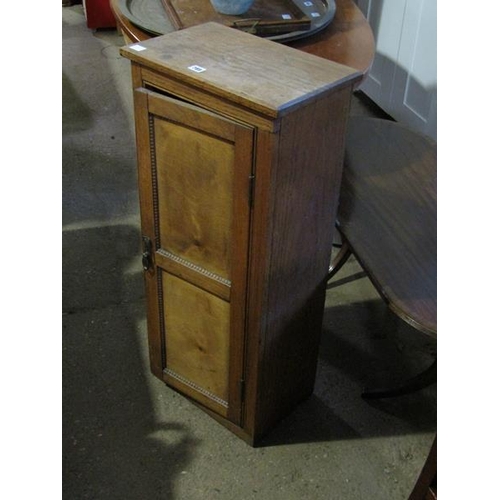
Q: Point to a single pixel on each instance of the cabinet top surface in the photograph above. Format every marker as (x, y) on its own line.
(262, 75)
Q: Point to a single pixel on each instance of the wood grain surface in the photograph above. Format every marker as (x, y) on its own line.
(264, 76)
(303, 192)
(388, 213)
(195, 196)
(197, 336)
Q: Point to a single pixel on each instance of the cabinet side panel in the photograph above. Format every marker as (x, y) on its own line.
(266, 149)
(305, 190)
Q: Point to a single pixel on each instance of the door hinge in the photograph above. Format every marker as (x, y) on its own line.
(242, 390)
(251, 189)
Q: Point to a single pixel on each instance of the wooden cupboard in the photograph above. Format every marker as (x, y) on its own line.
(240, 145)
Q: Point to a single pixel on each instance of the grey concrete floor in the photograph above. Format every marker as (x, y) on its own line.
(125, 434)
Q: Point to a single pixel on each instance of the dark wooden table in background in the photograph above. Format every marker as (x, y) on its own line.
(388, 215)
(388, 218)
(347, 40)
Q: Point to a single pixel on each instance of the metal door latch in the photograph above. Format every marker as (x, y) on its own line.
(146, 253)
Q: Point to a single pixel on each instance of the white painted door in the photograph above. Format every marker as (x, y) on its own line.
(403, 79)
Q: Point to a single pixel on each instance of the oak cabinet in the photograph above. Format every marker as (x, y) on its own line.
(240, 144)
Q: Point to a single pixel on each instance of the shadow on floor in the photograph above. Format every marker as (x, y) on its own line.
(76, 115)
(114, 447)
(363, 344)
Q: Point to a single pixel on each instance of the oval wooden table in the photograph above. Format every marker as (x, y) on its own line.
(387, 218)
(347, 40)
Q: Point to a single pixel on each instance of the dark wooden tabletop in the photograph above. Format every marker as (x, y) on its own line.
(347, 40)
(388, 214)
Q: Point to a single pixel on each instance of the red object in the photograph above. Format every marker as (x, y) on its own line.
(98, 14)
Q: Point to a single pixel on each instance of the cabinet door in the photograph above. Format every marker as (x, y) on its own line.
(195, 169)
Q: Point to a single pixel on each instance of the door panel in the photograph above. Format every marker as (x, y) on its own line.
(195, 192)
(195, 196)
(197, 340)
